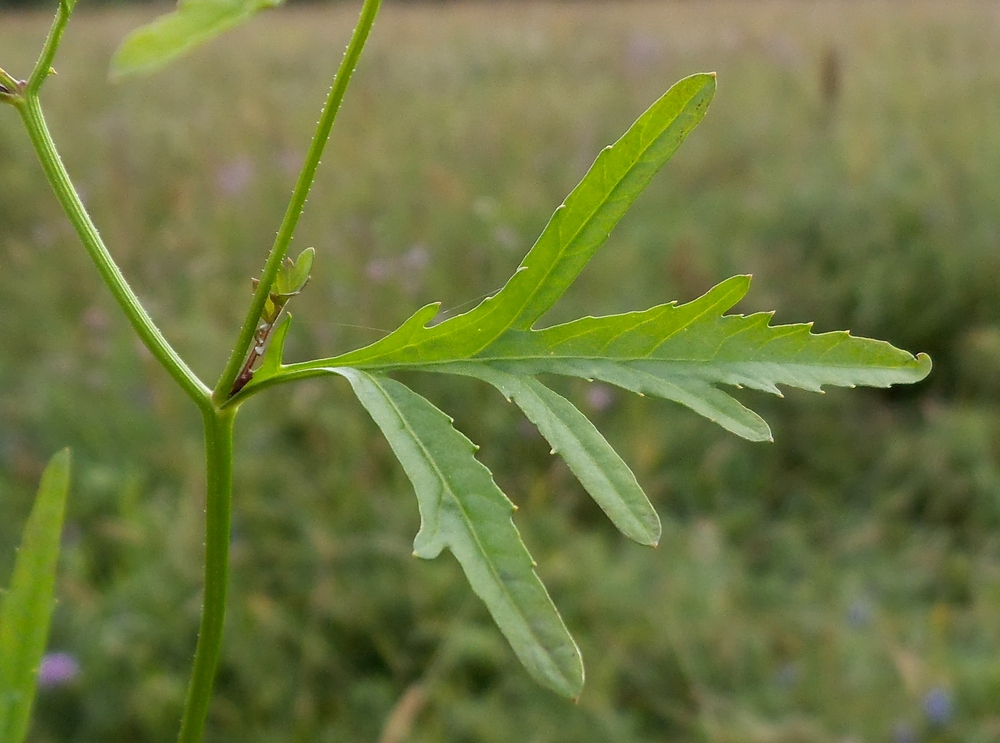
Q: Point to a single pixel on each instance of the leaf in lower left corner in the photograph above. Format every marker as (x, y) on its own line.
(27, 604)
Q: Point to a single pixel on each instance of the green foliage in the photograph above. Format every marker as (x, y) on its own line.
(676, 352)
(26, 607)
(194, 22)
(293, 275)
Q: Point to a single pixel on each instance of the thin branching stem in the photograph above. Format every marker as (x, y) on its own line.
(218, 421)
(224, 388)
(43, 67)
(55, 171)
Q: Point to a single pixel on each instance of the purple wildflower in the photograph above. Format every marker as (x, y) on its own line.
(600, 397)
(57, 669)
(233, 178)
(938, 707)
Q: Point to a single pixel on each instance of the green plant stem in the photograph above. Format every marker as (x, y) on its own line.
(43, 67)
(218, 512)
(55, 171)
(298, 199)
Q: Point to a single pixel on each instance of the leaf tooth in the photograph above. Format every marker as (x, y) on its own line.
(553, 451)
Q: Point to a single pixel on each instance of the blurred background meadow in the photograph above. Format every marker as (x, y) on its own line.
(839, 585)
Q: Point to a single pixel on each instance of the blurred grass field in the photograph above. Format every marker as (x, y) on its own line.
(840, 585)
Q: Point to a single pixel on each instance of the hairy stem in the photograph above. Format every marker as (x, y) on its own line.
(308, 173)
(55, 171)
(218, 511)
(43, 67)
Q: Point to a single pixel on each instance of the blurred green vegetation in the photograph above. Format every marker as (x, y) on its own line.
(842, 584)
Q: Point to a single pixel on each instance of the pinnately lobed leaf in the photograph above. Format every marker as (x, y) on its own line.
(194, 22)
(677, 352)
(462, 509)
(27, 604)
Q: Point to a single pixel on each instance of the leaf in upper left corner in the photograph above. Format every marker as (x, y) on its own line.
(194, 22)
(27, 604)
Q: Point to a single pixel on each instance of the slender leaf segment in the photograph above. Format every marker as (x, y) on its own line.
(26, 609)
(462, 509)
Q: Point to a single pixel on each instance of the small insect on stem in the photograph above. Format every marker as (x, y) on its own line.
(242, 380)
(292, 277)
(260, 338)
